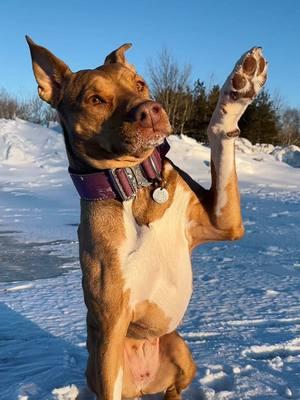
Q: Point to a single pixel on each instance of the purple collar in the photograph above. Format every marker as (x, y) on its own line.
(120, 183)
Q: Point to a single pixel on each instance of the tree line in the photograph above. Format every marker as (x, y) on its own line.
(189, 106)
(32, 109)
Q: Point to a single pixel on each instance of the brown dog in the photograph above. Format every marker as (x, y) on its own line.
(137, 232)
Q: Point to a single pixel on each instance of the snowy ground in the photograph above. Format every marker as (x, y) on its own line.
(243, 323)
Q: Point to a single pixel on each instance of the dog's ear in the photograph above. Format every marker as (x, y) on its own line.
(49, 72)
(118, 56)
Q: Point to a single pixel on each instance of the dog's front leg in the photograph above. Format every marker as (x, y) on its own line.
(219, 214)
(239, 90)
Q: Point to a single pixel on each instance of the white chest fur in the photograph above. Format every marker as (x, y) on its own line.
(156, 260)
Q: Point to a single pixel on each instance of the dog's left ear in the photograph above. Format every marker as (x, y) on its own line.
(118, 56)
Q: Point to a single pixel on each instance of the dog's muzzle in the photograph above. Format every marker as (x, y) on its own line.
(151, 120)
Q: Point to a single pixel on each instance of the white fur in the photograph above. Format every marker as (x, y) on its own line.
(224, 120)
(156, 260)
(117, 394)
(222, 154)
(222, 148)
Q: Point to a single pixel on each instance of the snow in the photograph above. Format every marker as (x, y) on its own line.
(289, 155)
(66, 393)
(243, 323)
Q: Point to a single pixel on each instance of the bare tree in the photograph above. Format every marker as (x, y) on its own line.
(169, 85)
(9, 106)
(290, 127)
(32, 109)
(50, 115)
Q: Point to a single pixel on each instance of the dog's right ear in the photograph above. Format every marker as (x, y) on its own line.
(49, 72)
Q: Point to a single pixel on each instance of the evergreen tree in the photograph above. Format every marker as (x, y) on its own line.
(197, 123)
(212, 99)
(260, 122)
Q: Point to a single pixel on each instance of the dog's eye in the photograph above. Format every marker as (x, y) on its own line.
(96, 99)
(140, 85)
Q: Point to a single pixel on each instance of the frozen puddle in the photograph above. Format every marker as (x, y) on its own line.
(22, 260)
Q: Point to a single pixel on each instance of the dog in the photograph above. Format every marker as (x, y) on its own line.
(141, 215)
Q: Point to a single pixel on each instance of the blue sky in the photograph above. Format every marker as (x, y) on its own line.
(208, 35)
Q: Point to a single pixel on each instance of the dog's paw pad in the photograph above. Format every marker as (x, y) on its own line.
(239, 81)
(248, 76)
(250, 65)
(261, 65)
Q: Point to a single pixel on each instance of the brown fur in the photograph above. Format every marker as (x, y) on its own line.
(148, 321)
(93, 106)
(145, 209)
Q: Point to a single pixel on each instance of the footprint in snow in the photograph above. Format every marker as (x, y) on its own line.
(217, 379)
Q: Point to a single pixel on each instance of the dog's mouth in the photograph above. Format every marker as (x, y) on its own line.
(145, 139)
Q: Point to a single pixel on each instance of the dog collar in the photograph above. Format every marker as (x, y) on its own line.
(121, 183)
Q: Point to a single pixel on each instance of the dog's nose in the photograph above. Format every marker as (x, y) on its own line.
(147, 114)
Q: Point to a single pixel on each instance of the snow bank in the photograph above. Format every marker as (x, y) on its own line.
(23, 142)
(289, 155)
(244, 145)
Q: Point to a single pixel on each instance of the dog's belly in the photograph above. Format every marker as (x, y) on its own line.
(141, 363)
(157, 268)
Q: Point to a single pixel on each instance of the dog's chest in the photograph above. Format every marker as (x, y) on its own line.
(156, 260)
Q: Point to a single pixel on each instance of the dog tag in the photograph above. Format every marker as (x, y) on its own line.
(160, 195)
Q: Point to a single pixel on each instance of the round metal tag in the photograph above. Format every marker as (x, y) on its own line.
(160, 195)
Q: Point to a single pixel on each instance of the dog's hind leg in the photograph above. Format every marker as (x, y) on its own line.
(179, 356)
(177, 368)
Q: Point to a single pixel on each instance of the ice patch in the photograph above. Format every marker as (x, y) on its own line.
(271, 293)
(200, 335)
(237, 370)
(66, 393)
(19, 287)
(276, 363)
(265, 351)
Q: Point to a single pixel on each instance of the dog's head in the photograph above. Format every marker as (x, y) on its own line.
(108, 117)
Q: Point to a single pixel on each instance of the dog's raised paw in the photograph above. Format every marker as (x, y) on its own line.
(239, 90)
(248, 76)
